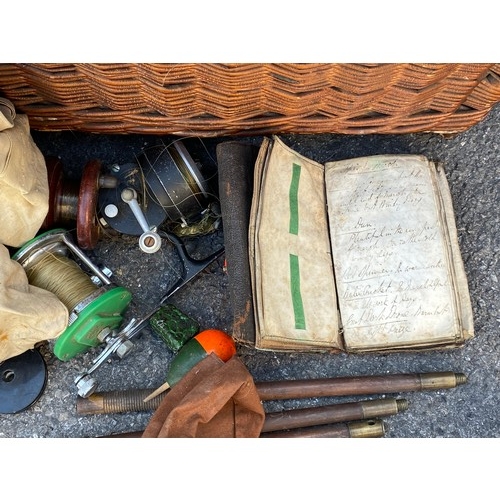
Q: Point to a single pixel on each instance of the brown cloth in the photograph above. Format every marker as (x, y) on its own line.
(214, 399)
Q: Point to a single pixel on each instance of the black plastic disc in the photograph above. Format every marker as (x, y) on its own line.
(22, 381)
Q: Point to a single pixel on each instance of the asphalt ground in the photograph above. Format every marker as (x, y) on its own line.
(471, 162)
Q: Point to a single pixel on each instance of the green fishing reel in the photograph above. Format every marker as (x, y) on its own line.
(96, 313)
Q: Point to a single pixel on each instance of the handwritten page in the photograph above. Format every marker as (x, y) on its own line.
(390, 253)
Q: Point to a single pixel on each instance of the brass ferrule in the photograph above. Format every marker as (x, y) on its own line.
(383, 407)
(441, 380)
(367, 429)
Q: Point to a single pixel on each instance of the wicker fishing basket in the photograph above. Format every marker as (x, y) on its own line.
(209, 100)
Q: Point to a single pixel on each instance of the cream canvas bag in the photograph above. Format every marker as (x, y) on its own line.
(28, 314)
(24, 190)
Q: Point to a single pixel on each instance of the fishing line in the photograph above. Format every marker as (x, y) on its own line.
(63, 277)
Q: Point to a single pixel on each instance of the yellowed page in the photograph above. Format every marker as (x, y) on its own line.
(391, 254)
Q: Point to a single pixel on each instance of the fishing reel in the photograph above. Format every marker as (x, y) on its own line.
(95, 305)
(164, 185)
(72, 203)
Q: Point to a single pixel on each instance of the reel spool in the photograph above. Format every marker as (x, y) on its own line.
(175, 181)
(168, 185)
(95, 305)
(70, 202)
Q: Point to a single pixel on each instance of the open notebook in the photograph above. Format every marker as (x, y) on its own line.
(355, 255)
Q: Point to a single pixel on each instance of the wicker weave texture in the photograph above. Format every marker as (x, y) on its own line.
(250, 99)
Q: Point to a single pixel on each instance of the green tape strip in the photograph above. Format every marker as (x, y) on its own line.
(293, 195)
(298, 306)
